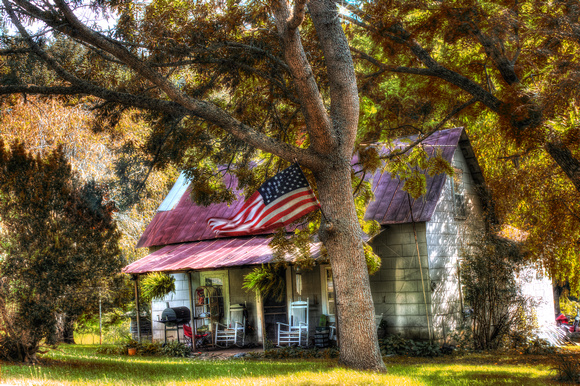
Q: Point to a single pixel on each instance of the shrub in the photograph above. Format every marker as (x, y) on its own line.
(297, 352)
(568, 369)
(397, 345)
(170, 349)
(488, 273)
(175, 349)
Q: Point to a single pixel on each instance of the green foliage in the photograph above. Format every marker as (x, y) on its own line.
(175, 349)
(413, 168)
(60, 242)
(397, 345)
(298, 352)
(156, 285)
(567, 305)
(169, 349)
(268, 280)
(373, 260)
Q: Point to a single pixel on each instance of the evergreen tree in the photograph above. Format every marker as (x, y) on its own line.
(58, 243)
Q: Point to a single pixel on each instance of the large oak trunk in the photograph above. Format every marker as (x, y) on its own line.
(341, 234)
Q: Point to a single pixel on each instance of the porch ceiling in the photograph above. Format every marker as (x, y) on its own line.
(210, 254)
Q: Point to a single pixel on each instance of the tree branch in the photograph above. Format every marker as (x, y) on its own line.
(202, 109)
(387, 68)
(420, 139)
(297, 14)
(313, 108)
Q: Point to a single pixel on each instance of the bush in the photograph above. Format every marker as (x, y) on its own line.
(170, 349)
(568, 369)
(175, 349)
(488, 273)
(397, 345)
(297, 352)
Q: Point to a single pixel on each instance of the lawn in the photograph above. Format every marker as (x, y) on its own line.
(81, 365)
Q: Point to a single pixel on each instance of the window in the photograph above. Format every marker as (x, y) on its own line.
(459, 209)
(329, 304)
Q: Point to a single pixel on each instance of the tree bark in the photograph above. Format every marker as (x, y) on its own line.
(342, 237)
(332, 137)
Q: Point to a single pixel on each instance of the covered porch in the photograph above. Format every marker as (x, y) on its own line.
(221, 265)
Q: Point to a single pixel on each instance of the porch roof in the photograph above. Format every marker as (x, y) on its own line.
(210, 254)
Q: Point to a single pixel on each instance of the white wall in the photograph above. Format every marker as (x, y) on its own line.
(539, 287)
(446, 234)
(179, 298)
(397, 287)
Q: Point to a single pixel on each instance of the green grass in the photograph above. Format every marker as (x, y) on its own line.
(81, 365)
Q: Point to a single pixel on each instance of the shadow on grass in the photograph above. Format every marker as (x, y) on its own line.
(82, 364)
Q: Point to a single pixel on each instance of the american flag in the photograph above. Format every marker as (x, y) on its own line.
(281, 200)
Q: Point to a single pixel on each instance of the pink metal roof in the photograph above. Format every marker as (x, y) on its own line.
(391, 203)
(210, 254)
(187, 221)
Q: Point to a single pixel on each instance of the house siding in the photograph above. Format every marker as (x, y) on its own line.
(446, 235)
(398, 291)
(397, 287)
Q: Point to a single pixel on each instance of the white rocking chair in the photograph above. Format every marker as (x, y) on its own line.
(297, 331)
(234, 332)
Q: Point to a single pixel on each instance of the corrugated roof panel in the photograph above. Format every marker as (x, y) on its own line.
(210, 254)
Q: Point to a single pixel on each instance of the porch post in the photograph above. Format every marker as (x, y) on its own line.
(192, 308)
(137, 308)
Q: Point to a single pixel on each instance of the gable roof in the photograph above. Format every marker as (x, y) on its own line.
(185, 221)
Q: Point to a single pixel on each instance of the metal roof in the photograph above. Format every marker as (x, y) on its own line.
(210, 254)
(186, 222)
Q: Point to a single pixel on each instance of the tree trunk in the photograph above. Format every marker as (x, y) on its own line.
(341, 235)
(68, 330)
(64, 331)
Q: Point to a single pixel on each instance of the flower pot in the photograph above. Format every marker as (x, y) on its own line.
(132, 351)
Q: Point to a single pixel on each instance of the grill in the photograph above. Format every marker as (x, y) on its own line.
(173, 318)
(176, 315)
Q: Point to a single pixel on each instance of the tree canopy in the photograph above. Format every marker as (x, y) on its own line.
(228, 82)
(516, 60)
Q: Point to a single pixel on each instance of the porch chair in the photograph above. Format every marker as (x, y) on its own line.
(297, 331)
(234, 331)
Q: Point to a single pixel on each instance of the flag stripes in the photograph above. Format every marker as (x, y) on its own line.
(288, 196)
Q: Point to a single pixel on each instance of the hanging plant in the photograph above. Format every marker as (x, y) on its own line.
(157, 285)
(268, 280)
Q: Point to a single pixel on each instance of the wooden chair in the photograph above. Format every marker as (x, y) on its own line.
(234, 332)
(297, 331)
